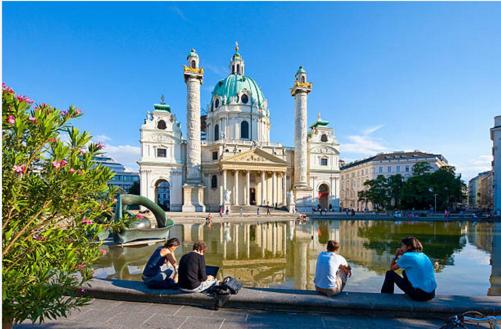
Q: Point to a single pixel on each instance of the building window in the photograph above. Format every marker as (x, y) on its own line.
(213, 181)
(245, 99)
(389, 168)
(380, 170)
(214, 155)
(324, 161)
(161, 124)
(398, 168)
(161, 153)
(406, 168)
(303, 79)
(323, 138)
(244, 130)
(216, 132)
(193, 64)
(216, 103)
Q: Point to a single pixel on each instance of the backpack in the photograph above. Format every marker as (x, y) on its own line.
(231, 284)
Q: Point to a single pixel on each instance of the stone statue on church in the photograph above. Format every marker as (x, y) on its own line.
(291, 204)
(227, 197)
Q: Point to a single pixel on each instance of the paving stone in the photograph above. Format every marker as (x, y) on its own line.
(163, 321)
(241, 325)
(193, 322)
(195, 311)
(166, 309)
(286, 320)
(129, 319)
(236, 315)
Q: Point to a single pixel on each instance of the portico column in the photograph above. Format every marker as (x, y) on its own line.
(221, 191)
(262, 188)
(224, 183)
(267, 192)
(314, 190)
(284, 188)
(236, 188)
(247, 188)
(273, 189)
(331, 192)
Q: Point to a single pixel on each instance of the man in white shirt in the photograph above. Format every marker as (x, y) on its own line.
(332, 271)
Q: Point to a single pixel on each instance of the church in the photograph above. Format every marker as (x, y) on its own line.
(227, 158)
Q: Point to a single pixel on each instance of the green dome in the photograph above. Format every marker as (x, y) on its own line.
(234, 84)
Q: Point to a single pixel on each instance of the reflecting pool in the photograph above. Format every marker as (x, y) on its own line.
(467, 255)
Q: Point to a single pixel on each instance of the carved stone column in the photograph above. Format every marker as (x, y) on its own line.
(236, 203)
(262, 188)
(247, 188)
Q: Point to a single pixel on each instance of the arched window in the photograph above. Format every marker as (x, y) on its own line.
(161, 124)
(244, 130)
(245, 99)
(216, 103)
(216, 132)
(213, 181)
(193, 64)
(303, 79)
(323, 138)
(238, 68)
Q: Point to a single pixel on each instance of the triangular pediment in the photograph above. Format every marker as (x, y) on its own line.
(255, 156)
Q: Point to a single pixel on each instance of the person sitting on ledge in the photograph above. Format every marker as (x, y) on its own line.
(418, 279)
(192, 272)
(332, 271)
(161, 269)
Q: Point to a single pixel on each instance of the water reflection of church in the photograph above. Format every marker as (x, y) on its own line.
(284, 254)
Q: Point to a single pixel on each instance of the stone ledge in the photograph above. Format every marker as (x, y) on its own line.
(301, 301)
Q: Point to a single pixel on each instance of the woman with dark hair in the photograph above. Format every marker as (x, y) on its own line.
(418, 279)
(161, 270)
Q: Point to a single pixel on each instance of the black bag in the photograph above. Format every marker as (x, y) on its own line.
(231, 284)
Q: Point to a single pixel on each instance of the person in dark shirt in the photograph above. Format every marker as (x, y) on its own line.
(161, 270)
(192, 273)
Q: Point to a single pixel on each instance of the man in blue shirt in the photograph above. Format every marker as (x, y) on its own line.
(418, 279)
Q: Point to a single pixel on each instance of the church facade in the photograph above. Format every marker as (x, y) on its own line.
(228, 159)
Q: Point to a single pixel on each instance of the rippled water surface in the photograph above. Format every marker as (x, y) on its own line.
(283, 254)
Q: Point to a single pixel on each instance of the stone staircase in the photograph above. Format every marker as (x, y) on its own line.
(253, 209)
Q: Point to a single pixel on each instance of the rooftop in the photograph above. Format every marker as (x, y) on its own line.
(400, 155)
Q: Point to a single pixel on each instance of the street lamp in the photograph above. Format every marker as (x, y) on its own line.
(435, 196)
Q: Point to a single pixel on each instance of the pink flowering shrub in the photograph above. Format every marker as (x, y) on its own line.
(55, 202)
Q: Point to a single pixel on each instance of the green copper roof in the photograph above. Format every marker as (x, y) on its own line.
(320, 122)
(161, 107)
(301, 70)
(234, 84)
(192, 53)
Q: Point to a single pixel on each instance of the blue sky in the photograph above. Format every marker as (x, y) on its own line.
(388, 76)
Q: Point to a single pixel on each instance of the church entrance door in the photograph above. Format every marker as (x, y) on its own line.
(323, 196)
(252, 194)
(162, 194)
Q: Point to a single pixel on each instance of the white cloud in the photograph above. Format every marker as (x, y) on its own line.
(124, 154)
(218, 70)
(475, 166)
(180, 14)
(102, 138)
(365, 143)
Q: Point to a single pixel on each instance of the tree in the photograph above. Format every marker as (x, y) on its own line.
(394, 186)
(421, 168)
(135, 188)
(376, 192)
(54, 198)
